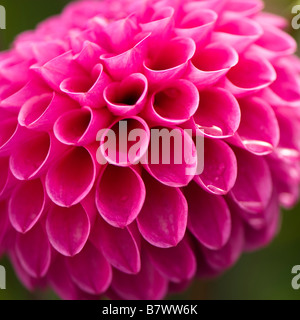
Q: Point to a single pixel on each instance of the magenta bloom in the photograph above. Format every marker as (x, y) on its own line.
(130, 229)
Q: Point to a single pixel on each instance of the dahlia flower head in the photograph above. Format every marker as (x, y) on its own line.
(127, 229)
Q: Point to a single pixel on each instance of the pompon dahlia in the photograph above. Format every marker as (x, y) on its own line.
(129, 229)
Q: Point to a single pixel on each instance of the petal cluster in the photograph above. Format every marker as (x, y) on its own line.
(129, 229)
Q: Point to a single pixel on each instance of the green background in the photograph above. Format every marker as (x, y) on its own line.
(261, 275)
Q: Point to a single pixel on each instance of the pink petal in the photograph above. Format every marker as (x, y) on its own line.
(7, 181)
(163, 219)
(118, 246)
(26, 205)
(238, 33)
(256, 239)
(259, 131)
(170, 62)
(216, 5)
(90, 271)
(177, 264)
(4, 219)
(249, 76)
(218, 115)
(197, 25)
(63, 186)
(34, 251)
(227, 256)
(127, 98)
(60, 280)
(120, 195)
(285, 90)
(253, 188)
(174, 103)
(220, 168)
(58, 69)
(32, 159)
(245, 8)
(80, 126)
(209, 218)
(68, 229)
(148, 284)
(175, 164)
(40, 112)
(209, 65)
(274, 43)
(88, 56)
(122, 65)
(87, 91)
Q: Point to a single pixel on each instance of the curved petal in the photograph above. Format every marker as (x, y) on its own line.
(172, 162)
(90, 270)
(4, 220)
(7, 181)
(128, 97)
(118, 246)
(120, 195)
(259, 238)
(274, 43)
(60, 280)
(244, 8)
(131, 61)
(26, 205)
(177, 264)
(32, 159)
(163, 219)
(250, 75)
(58, 69)
(85, 90)
(170, 62)
(209, 65)
(259, 131)
(34, 251)
(68, 229)
(253, 188)
(173, 103)
(220, 168)
(40, 112)
(148, 284)
(218, 115)
(63, 186)
(285, 90)
(209, 218)
(80, 126)
(197, 25)
(220, 260)
(238, 33)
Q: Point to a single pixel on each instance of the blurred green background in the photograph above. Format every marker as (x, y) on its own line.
(263, 275)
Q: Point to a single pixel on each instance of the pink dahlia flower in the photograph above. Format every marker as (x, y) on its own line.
(129, 229)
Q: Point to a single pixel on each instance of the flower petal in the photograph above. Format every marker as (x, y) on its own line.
(163, 219)
(90, 270)
(34, 251)
(209, 218)
(68, 229)
(63, 186)
(220, 169)
(26, 205)
(120, 195)
(253, 188)
(118, 246)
